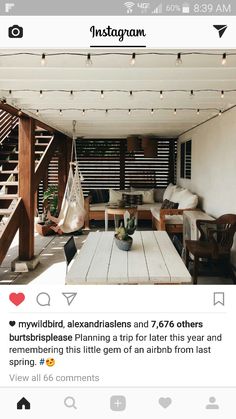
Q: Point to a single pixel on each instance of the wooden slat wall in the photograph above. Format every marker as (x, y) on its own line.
(101, 163)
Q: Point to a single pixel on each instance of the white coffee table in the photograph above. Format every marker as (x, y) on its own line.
(152, 260)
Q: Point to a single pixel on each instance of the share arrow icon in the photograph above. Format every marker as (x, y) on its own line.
(70, 296)
(221, 29)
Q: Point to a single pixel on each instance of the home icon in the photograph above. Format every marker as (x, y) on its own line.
(23, 404)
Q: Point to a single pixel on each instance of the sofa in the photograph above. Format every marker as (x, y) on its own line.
(169, 218)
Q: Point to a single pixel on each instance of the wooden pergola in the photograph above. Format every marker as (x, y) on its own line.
(29, 177)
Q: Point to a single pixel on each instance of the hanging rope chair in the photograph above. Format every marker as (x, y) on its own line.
(72, 213)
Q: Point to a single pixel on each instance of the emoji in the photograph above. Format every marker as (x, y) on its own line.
(12, 323)
(50, 362)
(16, 299)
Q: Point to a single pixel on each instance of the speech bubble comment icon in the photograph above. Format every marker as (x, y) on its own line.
(43, 299)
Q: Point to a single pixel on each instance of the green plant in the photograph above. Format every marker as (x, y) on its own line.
(123, 233)
(50, 199)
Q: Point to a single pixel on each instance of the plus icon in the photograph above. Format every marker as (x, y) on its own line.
(117, 403)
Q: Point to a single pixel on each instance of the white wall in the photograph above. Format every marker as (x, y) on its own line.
(213, 165)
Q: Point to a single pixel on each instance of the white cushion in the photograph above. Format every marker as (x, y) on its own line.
(177, 194)
(169, 191)
(169, 219)
(148, 195)
(188, 200)
(115, 196)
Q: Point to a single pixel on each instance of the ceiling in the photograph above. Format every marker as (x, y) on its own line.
(114, 72)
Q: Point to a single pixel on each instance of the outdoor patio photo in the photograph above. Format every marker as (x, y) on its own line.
(117, 167)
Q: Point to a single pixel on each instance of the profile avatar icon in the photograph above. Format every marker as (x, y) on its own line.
(212, 404)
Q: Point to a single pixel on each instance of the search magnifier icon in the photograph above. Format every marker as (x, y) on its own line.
(70, 402)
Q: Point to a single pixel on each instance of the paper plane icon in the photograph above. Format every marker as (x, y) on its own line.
(221, 29)
(70, 296)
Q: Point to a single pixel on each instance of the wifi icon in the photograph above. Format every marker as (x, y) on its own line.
(221, 29)
(129, 5)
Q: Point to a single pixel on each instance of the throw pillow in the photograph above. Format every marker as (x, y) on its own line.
(115, 196)
(169, 191)
(98, 196)
(132, 199)
(169, 204)
(148, 195)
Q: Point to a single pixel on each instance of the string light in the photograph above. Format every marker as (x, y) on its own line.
(178, 59)
(152, 111)
(222, 94)
(133, 59)
(43, 59)
(175, 111)
(10, 92)
(60, 112)
(102, 94)
(71, 94)
(89, 60)
(131, 94)
(191, 93)
(198, 112)
(161, 94)
(224, 58)
(37, 112)
(83, 112)
(129, 112)
(220, 112)
(106, 112)
(41, 93)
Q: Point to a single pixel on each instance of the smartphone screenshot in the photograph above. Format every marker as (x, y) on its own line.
(117, 209)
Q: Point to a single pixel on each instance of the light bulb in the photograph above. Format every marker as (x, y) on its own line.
(220, 112)
(175, 111)
(178, 59)
(198, 111)
(191, 93)
(37, 112)
(83, 112)
(89, 60)
(222, 94)
(131, 94)
(43, 59)
(152, 111)
(10, 92)
(102, 94)
(161, 94)
(60, 112)
(133, 58)
(224, 58)
(41, 93)
(71, 94)
(129, 111)
(106, 112)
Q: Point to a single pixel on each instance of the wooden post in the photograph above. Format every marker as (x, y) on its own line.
(26, 187)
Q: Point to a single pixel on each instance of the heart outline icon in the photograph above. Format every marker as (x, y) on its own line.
(17, 299)
(165, 402)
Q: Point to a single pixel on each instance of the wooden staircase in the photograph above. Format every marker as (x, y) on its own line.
(10, 203)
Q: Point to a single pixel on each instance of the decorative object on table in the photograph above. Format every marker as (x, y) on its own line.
(122, 236)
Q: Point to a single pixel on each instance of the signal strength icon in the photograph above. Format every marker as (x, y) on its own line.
(158, 10)
(129, 5)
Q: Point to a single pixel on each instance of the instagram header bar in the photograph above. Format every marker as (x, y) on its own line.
(138, 32)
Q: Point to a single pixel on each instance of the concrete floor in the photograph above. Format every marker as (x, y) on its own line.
(52, 267)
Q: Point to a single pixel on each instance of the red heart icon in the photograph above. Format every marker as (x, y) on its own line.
(16, 299)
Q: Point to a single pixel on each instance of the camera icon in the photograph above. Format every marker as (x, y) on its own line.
(15, 31)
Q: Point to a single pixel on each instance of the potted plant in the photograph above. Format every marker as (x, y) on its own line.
(122, 236)
(50, 203)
